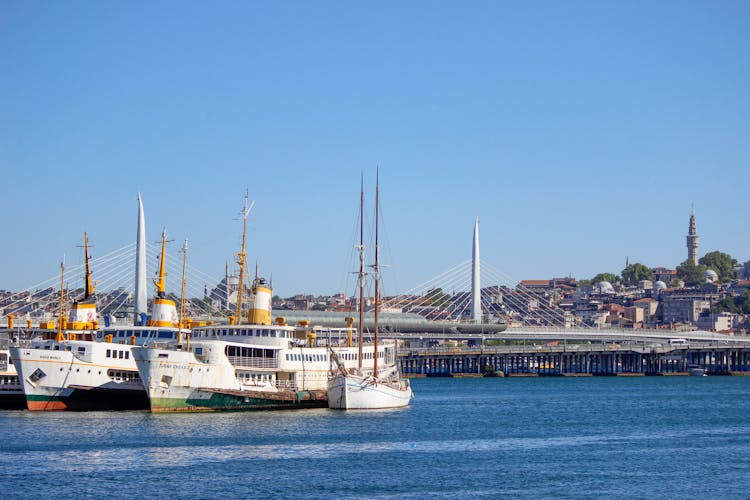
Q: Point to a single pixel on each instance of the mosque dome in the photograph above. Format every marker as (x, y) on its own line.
(660, 285)
(710, 276)
(604, 287)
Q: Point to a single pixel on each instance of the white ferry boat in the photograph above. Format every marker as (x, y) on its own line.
(91, 369)
(11, 392)
(248, 366)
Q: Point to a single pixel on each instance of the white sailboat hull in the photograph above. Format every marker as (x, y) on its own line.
(355, 392)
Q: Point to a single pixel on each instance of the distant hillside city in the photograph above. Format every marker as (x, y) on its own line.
(708, 293)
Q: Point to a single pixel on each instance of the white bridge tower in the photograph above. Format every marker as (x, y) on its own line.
(476, 288)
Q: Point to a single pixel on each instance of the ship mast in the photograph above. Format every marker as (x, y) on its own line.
(182, 296)
(360, 324)
(376, 270)
(160, 281)
(241, 259)
(60, 337)
(89, 286)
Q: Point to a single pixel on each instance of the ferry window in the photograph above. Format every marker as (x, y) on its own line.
(127, 354)
(81, 349)
(119, 355)
(109, 353)
(165, 335)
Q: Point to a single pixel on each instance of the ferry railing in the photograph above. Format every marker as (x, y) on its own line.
(286, 384)
(245, 362)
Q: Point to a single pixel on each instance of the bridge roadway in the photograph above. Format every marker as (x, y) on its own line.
(579, 334)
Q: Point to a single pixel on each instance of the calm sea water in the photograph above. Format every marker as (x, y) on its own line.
(667, 437)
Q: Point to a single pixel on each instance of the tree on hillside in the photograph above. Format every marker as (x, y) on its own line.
(612, 278)
(739, 304)
(690, 273)
(437, 297)
(720, 262)
(636, 272)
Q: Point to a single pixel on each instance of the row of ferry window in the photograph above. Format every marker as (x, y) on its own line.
(306, 357)
(123, 376)
(117, 354)
(352, 356)
(241, 332)
(252, 377)
(11, 380)
(150, 334)
(249, 352)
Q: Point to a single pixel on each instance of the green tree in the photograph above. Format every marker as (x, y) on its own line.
(437, 297)
(690, 273)
(636, 272)
(720, 262)
(739, 304)
(612, 278)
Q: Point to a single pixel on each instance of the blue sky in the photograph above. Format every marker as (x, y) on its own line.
(579, 132)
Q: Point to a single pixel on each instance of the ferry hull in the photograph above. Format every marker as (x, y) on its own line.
(95, 399)
(12, 401)
(62, 379)
(353, 392)
(234, 402)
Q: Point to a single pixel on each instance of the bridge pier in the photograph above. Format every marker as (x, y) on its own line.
(596, 360)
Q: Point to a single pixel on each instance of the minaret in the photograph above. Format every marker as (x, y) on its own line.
(692, 240)
(141, 299)
(476, 290)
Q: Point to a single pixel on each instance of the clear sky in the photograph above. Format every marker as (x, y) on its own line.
(579, 132)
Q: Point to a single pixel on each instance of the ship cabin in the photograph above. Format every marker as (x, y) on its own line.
(230, 332)
(138, 335)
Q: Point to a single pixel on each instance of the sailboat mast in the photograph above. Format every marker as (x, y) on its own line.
(360, 325)
(377, 279)
(241, 259)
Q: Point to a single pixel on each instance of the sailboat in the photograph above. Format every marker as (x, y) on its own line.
(353, 389)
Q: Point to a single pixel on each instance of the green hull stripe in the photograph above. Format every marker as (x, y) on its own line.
(228, 402)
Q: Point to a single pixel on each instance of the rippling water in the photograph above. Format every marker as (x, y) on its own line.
(572, 437)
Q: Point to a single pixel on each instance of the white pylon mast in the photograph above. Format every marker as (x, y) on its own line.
(476, 288)
(141, 298)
